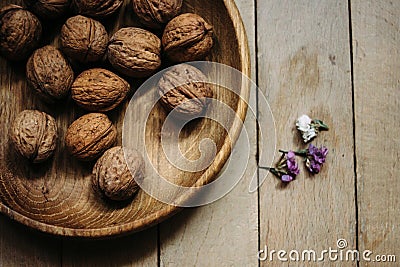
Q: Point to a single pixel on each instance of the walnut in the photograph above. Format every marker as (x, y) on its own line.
(96, 8)
(183, 88)
(112, 177)
(135, 52)
(34, 135)
(49, 73)
(156, 13)
(84, 39)
(48, 9)
(187, 37)
(89, 136)
(99, 90)
(20, 32)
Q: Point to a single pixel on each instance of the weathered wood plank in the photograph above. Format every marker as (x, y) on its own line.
(135, 250)
(376, 55)
(224, 233)
(18, 244)
(304, 68)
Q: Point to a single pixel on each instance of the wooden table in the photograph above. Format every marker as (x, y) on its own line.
(334, 60)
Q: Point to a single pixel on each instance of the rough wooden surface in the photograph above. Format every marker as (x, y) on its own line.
(376, 56)
(57, 196)
(18, 244)
(144, 251)
(216, 235)
(313, 212)
(304, 68)
(135, 250)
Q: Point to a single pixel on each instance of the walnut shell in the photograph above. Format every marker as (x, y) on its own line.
(135, 52)
(84, 39)
(187, 37)
(20, 32)
(96, 8)
(184, 89)
(48, 9)
(34, 135)
(49, 73)
(156, 13)
(99, 90)
(89, 136)
(112, 177)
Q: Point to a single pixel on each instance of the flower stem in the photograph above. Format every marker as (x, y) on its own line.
(301, 153)
(265, 168)
(320, 125)
(272, 170)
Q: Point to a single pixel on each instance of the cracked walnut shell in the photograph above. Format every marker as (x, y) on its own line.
(112, 176)
(184, 90)
(135, 52)
(187, 37)
(156, 13)
(89, 136)
(48, 9)
(49, 73)
(96, 8)
(34, 135)
(99, 90)
(84, 39)
(20, 32)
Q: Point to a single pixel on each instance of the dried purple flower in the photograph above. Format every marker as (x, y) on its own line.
(287, 168)
(313, 167)
(287, 178)
(315, 158)
(292, 166)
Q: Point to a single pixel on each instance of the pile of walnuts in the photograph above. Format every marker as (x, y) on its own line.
(132, 52)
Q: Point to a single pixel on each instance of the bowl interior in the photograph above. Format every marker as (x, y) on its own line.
(57, 196)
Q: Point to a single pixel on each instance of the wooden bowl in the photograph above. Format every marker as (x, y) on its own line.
(56, 197)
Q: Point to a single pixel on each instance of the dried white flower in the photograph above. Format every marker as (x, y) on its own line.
(307, 128)
(303, 123)
(309, 135)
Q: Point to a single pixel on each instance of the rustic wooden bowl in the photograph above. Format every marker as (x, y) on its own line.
(56, 197)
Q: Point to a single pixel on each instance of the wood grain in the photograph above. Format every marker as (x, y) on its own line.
(57, 196)
(298, 41)
(224, 233)
(139, 249)
(304, 68)
(18, 245)
(376, 57)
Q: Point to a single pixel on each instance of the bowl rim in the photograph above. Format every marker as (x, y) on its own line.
(207, 177)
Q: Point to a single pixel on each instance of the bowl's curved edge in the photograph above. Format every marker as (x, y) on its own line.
(208, 176)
